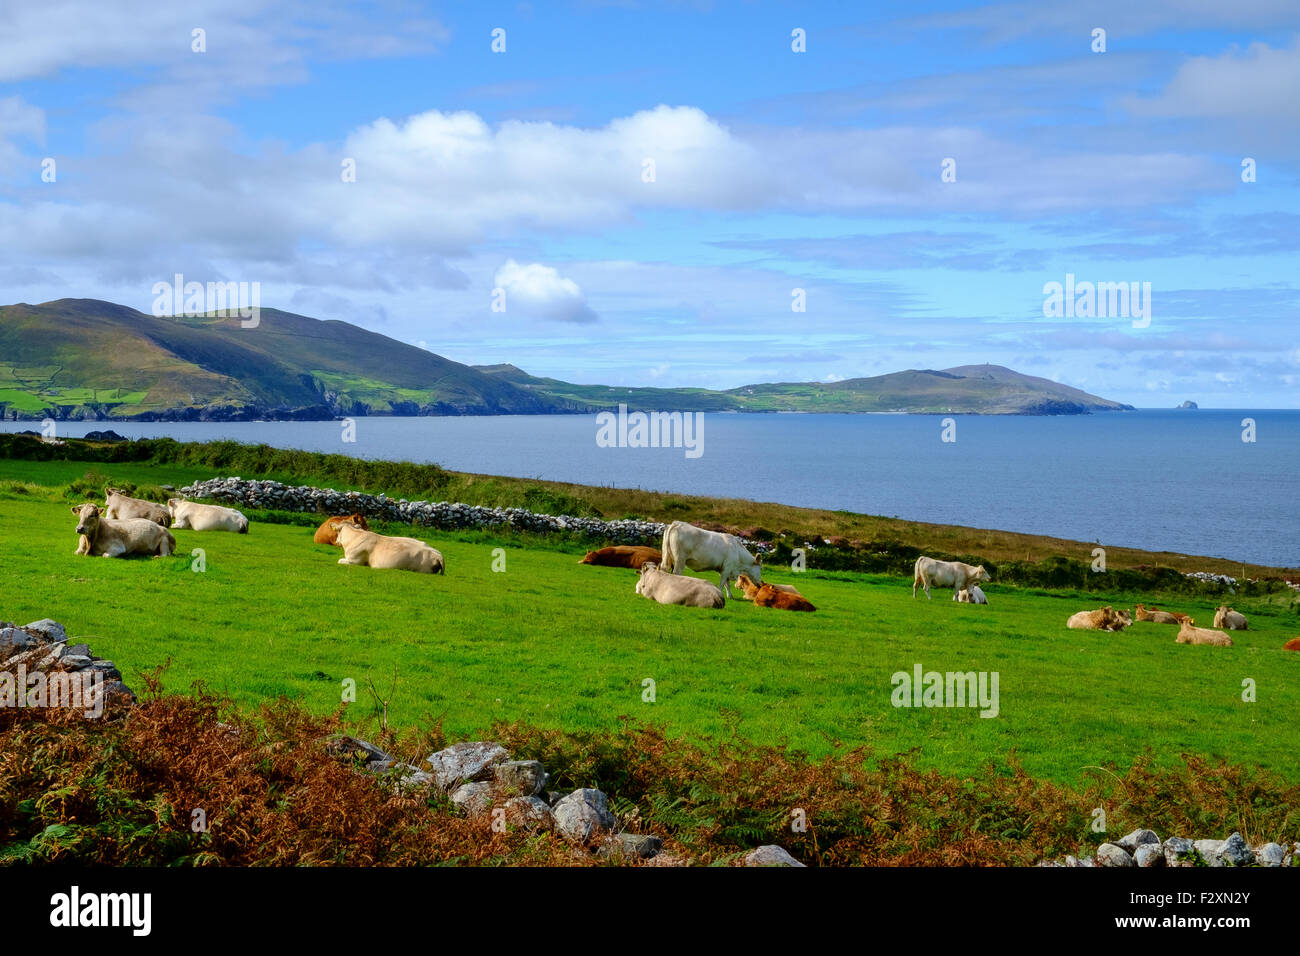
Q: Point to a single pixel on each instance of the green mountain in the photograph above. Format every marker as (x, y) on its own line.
(81, 358)
(86, 359)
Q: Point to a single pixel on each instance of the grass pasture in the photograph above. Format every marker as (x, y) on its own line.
(557, 644)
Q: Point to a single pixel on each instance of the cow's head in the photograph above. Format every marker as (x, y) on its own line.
(588, 558)
(747, 585)
(347, 530)
(172, 503)
(641, 576)
(87, 519)
(360, 521)
(755, 570)
(982, 576)
(110, 492)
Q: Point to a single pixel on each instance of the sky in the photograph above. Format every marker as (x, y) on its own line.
(646, 193)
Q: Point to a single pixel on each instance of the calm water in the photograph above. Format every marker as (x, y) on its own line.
(1158, 480)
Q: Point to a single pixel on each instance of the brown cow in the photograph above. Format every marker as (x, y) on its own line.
(1292, 645)
(1158, 617)
(623, 556)
(767, 595)
(747, 586)
(328, 532)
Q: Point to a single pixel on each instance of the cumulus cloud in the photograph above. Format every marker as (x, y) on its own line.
(540, 291)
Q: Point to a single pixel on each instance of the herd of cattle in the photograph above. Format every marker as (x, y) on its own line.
(126, 525)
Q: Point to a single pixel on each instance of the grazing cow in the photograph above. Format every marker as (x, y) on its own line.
(1102, 619)
(1158, 617)
(1225, 616)
(328, 532)
(118, 505)
(668, 588)
(952, 574)
(686, 546)
(623, 556)
(1292, 645)
(383, 551)
(767, 595)
(1202, 635)
(109, 538)
(746, 585)
(197, 517)
(972, 595)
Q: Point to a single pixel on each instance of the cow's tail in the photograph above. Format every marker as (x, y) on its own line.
(669, 560)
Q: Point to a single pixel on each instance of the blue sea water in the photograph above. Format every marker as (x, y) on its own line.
(1154, 479)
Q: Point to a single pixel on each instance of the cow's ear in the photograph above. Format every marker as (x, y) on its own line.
(76, 509)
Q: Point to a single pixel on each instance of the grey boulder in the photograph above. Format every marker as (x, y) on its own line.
(465, 762)
(582, 816)
(523, 777)
(1110, 854)
(770, 855)
(1150, 854)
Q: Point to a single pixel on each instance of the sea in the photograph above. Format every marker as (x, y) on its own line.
(1213, 482)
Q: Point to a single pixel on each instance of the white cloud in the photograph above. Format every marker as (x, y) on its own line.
(1259, 82)
(540, 291)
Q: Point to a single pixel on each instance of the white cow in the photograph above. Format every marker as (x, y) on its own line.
(374, 550)
(972, 595)
(677, 588)
(197, 517)
(686, 546)
(111, 538)
(952, 574)
(118, 505)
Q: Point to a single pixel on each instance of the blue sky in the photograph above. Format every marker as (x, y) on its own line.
(774, 170)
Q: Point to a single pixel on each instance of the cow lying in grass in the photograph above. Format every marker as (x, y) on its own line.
(1102, 619)
(1225, 616)
(1202, 635)
(928, 572)
(665, 588)
(328, 532)
(746, 585)
(972, 595)
(623, 556)
(1155, 616)
(118, 506)
(768, 595)
(383, 551)
(109, 538)
(1292, 645)
(198, 517)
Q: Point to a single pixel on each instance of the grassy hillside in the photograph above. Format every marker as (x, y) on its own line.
(557, 644)
(82, 355)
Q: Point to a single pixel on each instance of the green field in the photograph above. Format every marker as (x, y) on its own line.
(568, 646)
